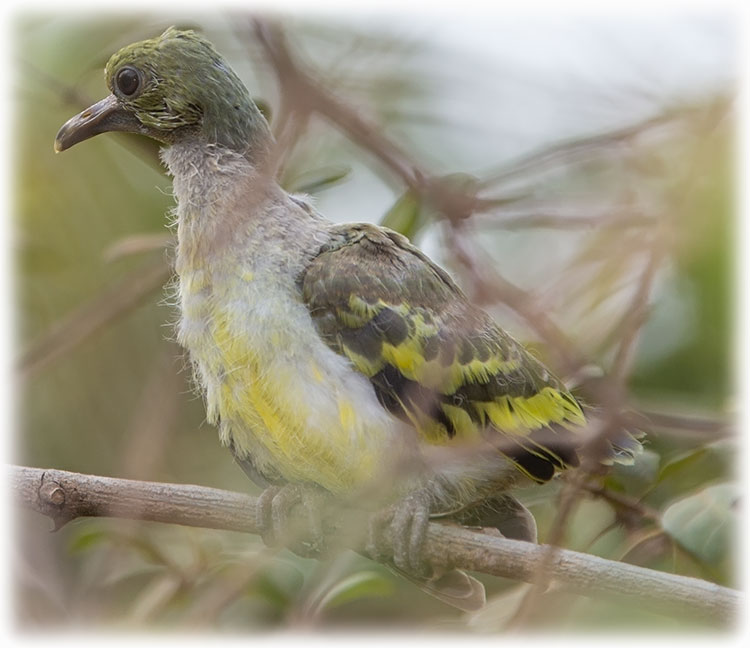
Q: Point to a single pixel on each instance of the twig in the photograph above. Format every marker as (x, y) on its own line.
(701, 427)
(542, 575)
(622, 501)
(138, 244)
(636, 316)
(551, 218)
(612, 391)
(491, 285)
(65, 496)
(306, 94)
(567, 150)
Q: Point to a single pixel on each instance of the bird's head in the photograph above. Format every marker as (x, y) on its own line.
(175, 87)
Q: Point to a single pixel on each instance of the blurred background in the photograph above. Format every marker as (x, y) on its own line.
(573, 172)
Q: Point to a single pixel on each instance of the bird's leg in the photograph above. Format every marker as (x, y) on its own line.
(277, 525)
(408, 520)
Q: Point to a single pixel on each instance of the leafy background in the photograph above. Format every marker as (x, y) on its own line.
(505, 109)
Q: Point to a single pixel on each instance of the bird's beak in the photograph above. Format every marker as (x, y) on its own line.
(105, 115)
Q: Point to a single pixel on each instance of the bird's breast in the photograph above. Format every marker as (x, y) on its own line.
(279, 394)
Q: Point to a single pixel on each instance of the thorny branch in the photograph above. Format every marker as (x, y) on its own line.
(66, 496)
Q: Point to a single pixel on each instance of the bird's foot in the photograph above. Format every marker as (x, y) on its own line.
(408, 520)
(304, 534)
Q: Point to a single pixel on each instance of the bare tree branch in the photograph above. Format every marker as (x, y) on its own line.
(65, 496)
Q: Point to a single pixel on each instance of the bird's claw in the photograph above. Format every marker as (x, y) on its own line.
(264, 516)
(408, 520)
(278, 527)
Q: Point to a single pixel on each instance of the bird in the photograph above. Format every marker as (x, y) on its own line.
(336, 360)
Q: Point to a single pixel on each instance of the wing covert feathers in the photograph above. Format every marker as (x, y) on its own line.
(433, 358)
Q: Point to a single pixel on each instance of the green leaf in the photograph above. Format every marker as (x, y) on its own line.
(705, 523)
(318, 180)
(693, 469)
(364, 584)
(87, 539)
(635, 479)
(405, 216)
(279, 584)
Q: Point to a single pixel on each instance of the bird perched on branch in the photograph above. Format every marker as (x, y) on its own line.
(335, 359)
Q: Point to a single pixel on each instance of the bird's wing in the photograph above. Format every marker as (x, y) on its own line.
(433, 358)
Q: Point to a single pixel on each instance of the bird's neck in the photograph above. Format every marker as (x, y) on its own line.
(227, 207)
(218, 191)
(207, 175)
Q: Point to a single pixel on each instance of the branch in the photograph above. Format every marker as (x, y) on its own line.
(574, 147)
(546, 217)
(700, 428)
(65, 496)
(306, 94)
(490, 284)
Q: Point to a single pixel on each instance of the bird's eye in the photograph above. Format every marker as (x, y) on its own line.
(128, 81)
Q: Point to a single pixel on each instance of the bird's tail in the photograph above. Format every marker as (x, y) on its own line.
(624, 439)
(455, 587)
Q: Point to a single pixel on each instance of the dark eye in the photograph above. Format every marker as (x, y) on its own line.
(128, 81)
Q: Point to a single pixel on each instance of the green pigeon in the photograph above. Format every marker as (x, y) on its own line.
(335, 359)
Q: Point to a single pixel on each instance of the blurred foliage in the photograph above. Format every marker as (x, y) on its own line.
(120, 402)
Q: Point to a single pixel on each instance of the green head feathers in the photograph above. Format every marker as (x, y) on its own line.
(173, 88)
